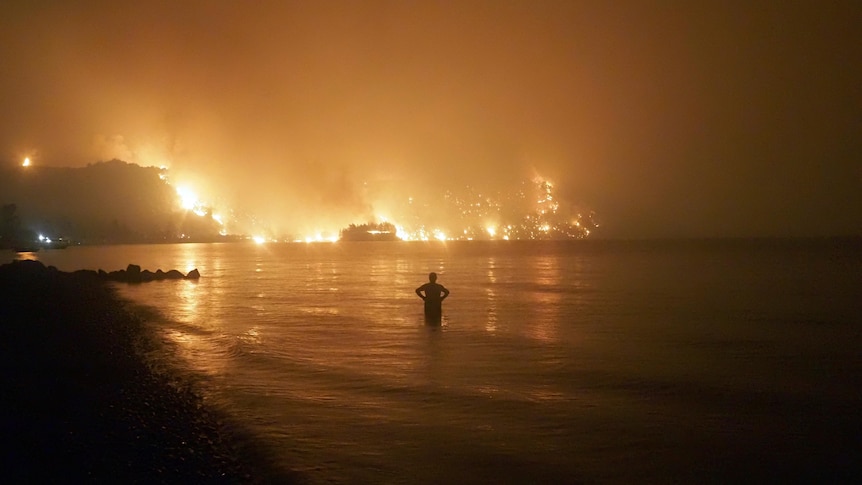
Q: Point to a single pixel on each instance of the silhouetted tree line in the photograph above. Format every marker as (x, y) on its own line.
(383, 231)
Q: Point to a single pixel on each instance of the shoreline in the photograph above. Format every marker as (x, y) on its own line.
(82, 403)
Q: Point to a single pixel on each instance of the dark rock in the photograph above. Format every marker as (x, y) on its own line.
(89, 273)
(28, 265)
(133, 273)
(174, 275)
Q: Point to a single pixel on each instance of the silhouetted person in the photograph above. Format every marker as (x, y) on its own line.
(433, 294)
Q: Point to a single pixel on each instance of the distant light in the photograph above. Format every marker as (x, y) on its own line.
(316, 238)
(258, 239)
(492, 231)
(26, 162)
(401, 233)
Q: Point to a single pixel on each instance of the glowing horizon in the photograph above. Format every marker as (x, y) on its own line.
(530, 210)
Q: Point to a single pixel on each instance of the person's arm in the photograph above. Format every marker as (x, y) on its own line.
(419, 292)
(445, 293)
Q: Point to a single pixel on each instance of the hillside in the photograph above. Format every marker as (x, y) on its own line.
(106, 202)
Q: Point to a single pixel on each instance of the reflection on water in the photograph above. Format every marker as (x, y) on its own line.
(491, 292)
(550, 365)
(190, 255)
(251, 336)
(188, 302)
(198, 338)
(545, 299)
(26, 256)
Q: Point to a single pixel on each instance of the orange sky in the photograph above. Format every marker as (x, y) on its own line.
(668, 118)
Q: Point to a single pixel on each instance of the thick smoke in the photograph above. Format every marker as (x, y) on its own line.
(667, 120)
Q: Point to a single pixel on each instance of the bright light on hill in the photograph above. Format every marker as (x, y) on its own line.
(188, 199)
(26, 162)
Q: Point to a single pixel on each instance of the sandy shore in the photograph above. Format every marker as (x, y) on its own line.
(80, 404)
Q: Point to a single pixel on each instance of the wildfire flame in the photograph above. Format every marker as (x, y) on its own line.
(530, 212)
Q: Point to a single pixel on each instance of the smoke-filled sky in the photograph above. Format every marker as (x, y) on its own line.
(668, 118)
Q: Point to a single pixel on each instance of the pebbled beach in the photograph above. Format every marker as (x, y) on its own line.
(80, 403)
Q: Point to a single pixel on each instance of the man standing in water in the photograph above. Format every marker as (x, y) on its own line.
(433, 294)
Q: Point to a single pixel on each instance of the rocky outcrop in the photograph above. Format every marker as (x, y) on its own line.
(134, 274)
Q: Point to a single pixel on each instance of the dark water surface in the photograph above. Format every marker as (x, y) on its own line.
(593, 362)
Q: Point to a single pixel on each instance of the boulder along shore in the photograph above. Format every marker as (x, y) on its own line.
(81, 404)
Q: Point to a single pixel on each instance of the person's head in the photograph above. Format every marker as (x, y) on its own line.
(432, 277)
